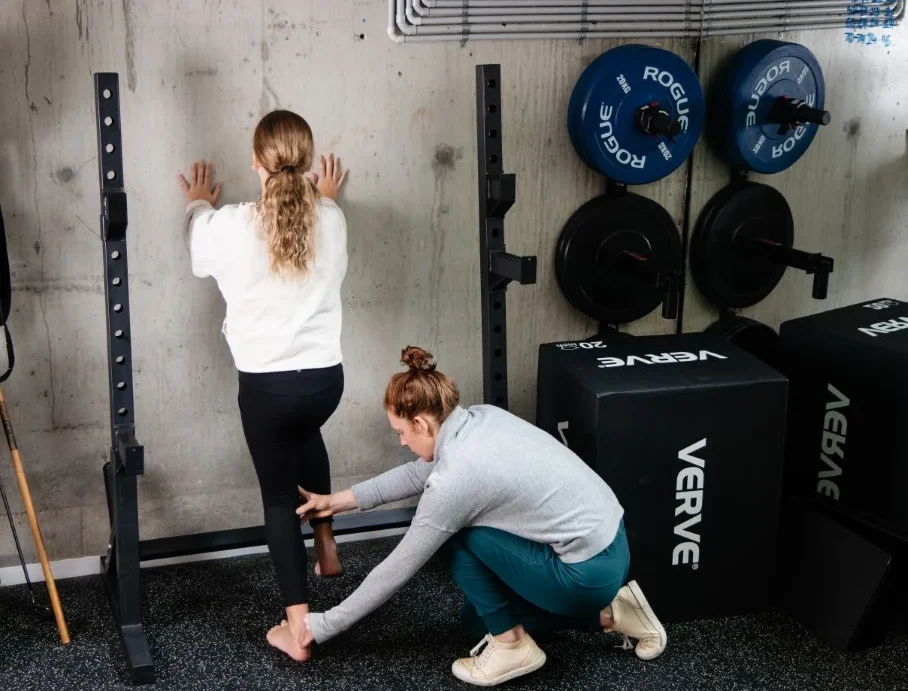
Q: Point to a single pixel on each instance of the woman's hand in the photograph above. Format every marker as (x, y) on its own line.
(305, 639)
(315, 505)
(325, 505)
(329, 178)
(199, 184)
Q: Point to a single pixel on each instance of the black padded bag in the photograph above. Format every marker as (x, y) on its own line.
(6, 294)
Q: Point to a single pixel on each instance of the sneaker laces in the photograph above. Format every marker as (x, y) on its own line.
(626, 643)
(486, 654)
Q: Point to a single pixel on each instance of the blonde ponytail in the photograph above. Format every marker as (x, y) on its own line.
(283, 145)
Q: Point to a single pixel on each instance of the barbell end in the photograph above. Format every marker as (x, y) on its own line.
(821, 278)
(670, 301)
(816, 116)
(789, 112)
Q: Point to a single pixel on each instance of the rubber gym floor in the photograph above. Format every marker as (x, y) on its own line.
(206, 623)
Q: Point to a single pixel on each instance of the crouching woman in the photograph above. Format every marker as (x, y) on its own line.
(534, 537)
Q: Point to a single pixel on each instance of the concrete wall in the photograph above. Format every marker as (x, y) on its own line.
(195, 78)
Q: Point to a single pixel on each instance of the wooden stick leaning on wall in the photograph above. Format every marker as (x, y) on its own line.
(33, 521)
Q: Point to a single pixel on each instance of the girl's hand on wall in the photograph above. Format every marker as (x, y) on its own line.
(329, 178)
(199, 184)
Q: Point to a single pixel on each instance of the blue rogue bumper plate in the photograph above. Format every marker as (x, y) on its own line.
(767, 106)
(636, 113)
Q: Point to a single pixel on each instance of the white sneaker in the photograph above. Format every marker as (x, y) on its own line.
(634, 618)
(499, 662)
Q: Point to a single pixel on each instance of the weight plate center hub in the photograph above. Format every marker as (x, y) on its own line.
(623, 243)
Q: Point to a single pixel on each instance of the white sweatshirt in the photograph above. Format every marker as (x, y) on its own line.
(272, 324)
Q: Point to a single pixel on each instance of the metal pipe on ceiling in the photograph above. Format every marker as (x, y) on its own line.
(431, 5)
(634, 15)
(415, 20)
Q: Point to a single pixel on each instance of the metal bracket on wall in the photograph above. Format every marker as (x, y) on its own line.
(497, 192)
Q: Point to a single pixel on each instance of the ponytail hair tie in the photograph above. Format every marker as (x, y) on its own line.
(288, 169)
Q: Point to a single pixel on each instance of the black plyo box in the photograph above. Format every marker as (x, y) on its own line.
(688, 430)
(838, 579)
(848, 414)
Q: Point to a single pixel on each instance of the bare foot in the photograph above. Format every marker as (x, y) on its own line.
(333, 568)
(282, 639)
(327, 562)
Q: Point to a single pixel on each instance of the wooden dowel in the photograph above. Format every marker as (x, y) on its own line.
(33, 521)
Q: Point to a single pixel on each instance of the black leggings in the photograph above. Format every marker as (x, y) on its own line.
(282, 413)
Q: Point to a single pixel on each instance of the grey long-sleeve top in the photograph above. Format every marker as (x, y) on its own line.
(491, 468)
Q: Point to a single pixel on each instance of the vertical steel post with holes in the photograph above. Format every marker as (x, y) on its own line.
(121, 563)
(498, 268)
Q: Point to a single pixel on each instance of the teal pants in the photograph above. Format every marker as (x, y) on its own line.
(508, 580)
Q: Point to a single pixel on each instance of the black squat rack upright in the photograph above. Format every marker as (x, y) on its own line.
(497, 192)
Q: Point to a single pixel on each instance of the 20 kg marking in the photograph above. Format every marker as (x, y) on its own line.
(759, 144)
(622, 82)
